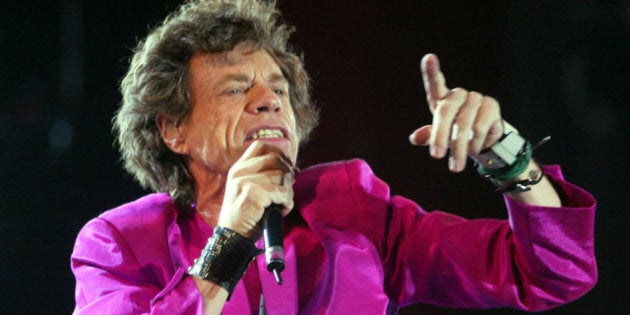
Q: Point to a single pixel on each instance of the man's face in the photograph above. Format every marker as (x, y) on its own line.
(236, 98)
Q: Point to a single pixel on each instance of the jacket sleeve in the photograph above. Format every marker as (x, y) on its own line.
(537, 259)
(111, 281)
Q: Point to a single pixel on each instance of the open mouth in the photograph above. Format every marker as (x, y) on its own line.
(266, 134)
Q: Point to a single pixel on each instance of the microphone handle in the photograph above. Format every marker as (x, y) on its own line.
(272, 234)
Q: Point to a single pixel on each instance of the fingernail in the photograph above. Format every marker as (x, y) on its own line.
(452, 163)
(455, 165)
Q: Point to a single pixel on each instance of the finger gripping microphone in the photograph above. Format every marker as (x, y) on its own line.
(272, 233)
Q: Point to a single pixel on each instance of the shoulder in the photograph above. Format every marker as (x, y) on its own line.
(141, 226)
(148, 217)
(346, 171)
(150, 209)
(341, 193)
(131, 242)
(354, 176)
(353, 165)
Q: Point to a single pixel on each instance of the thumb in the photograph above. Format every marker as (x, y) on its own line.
(421, 136)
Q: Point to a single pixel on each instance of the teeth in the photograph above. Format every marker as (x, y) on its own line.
(267, 133)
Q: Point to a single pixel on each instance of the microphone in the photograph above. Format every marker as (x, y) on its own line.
(272, 234)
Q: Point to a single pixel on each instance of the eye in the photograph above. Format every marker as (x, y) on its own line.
(237, 90)
(279, 90)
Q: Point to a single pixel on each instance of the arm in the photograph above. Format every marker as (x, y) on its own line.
(262, 176)
(541, 194)
(540, 258)
(214, 296)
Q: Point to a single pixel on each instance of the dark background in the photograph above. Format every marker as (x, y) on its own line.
(558, 68)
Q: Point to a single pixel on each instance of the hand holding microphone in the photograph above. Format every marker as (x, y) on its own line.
(262, 176)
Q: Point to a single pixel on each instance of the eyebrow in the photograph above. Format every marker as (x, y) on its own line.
(277, 77)
(239, 77)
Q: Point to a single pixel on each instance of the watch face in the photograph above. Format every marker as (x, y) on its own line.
(502, 153)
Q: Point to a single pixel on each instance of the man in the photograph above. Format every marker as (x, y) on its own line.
(215, 107)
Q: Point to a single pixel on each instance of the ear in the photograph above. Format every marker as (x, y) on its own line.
(170, 131)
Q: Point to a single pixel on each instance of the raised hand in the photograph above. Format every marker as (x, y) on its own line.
(465, 122)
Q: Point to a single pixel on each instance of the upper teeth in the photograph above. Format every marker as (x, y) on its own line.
(267, 133)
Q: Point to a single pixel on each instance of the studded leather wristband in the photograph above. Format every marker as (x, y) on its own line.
(224, 259)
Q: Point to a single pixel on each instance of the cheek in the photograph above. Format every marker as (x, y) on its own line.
(209, 136)
(296, 137)
(291, 117)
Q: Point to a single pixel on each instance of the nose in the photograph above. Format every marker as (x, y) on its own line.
(263, 99)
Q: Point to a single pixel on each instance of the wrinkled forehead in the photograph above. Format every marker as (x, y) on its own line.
(240, 52)
(243, 63)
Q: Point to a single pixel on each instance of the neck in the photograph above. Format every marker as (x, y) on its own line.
(210, 198)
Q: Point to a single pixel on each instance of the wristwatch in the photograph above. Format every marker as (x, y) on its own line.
(504, 152)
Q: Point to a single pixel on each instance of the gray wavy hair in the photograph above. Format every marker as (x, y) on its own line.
(157, 82)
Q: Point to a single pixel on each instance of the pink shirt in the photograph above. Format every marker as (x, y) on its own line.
(350, 247)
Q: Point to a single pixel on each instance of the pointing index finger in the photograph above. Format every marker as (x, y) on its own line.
(433, 79)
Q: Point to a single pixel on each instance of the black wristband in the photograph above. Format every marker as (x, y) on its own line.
(224, 259)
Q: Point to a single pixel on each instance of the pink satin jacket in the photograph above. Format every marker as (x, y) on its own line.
(351, 248)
